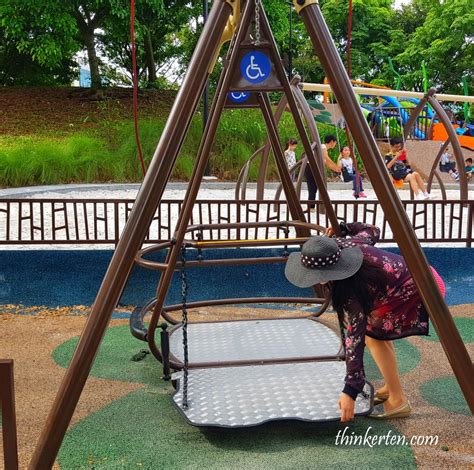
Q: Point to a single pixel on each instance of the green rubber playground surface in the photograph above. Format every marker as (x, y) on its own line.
(445, 393)
(144, 430)
(465, 327)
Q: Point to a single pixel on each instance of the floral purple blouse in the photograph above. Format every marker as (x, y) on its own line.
(398, 310)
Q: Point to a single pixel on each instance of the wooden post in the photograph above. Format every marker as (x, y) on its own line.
(7, 402)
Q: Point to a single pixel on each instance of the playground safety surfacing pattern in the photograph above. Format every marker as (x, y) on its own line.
(125, 418)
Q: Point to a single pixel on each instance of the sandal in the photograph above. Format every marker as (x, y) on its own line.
(380, 398)
(402, 411)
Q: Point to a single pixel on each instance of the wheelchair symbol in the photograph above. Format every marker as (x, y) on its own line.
(238, 96)
(255, 67)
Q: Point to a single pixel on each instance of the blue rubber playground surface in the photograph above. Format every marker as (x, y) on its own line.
(54, 278)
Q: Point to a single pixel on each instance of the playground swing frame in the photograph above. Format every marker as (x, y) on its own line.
(159, 172)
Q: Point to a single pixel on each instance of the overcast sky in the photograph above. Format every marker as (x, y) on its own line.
(401, 2)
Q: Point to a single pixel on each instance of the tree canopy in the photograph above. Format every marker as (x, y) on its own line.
(40, 40)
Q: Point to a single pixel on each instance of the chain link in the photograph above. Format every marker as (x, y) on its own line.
(257, 22)
(184, 296)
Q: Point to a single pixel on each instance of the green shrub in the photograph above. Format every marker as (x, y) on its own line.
(109, 154)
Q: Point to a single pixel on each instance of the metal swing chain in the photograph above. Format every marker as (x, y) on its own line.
(257, 22)
(184, 295)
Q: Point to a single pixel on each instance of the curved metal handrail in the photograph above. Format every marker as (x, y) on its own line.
(452, 138)
(140, 331)
(442, 116)
(242, 180)
(208, 244)
(435, 173)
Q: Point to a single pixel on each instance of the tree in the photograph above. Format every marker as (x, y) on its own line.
(90, 16)
(372, 27)
(156, 33)
(38, 29)
(17, 68)
(52, 30)
(444, 40)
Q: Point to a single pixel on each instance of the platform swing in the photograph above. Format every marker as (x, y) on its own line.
(250, 391)
(252, 69)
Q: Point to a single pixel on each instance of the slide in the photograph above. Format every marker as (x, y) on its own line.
(440, 134)
(404, 115)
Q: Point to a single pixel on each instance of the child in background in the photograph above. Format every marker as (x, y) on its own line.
(469, 169)
(400, 172)
(446, 165)
(398, 142)
(348, 173)
(290, 153)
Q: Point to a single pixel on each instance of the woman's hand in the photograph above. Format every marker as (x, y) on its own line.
(329, 232)
(346, 405)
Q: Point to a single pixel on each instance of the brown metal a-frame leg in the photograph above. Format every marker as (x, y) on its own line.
(132, 238)
(397, 218)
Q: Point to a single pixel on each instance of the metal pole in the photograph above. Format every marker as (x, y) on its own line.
(443, 117)
(396, 216)
(290, 45)
(205, 95)
(294, 205)
(132, 238)
(7, 407)
(374, 91)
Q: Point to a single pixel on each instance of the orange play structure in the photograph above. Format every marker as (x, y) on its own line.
(439, 133)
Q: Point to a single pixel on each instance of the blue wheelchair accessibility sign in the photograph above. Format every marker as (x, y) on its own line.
(255, 67)
(238, 96)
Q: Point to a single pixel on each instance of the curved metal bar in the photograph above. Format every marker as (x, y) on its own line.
(458, 155)
(282, 105)
(213, 244)
(432, 123)
(305, 109)
(441, 185)
(250, 300)
(262, 171)
(283, 223)
(295, 84)
(435, 165)
(406, 132)
(241, 185)
(316, 141)
(299, 181)
(153, 249)
(414, 116)
(159, 266)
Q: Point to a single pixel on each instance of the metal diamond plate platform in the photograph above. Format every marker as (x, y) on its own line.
(251, 395)
(255, 340)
